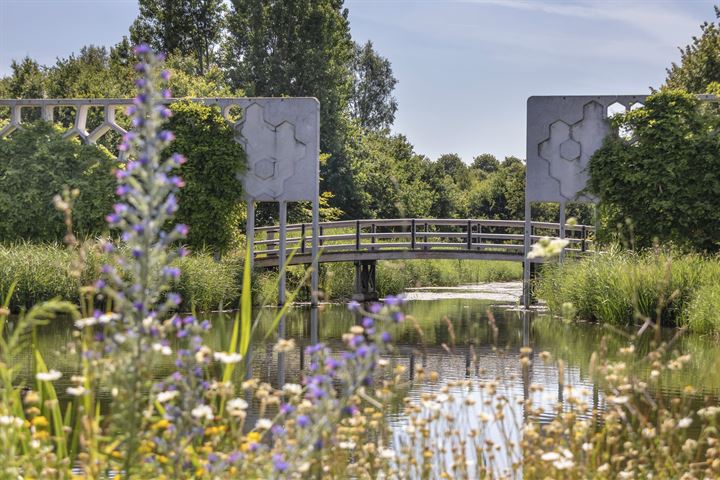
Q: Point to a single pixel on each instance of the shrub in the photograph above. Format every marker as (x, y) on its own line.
(666, 182)
(211, 201)
(36, 163)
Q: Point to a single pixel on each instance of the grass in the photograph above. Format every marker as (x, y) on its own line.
(45, 271)
(42, 272)
(623, 288)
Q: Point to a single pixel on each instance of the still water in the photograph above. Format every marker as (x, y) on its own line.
(452, 336)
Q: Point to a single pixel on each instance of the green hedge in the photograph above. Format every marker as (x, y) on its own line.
(36, 163)
(211, 201)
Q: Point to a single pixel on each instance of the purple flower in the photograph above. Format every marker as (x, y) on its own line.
(182, 229)
(166, 136)
(286, 409)
(177, 181)
(166, 94)
(303, 421)
(386, 337)
(165, 75)
(353, 305)
(140, 68)
(279, 463)
(100, 284)
(375, 308)
(368, 322)
(140, 99)
(172, 272)
(174, 298)
(178, 159)
(122, 190)
(141, 83)
(113, 219)
(130, 110)
(137, 253)
(397, 317)
(171, 204)
(362, 351)
(142, 49)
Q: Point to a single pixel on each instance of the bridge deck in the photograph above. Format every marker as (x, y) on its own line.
(407, 239)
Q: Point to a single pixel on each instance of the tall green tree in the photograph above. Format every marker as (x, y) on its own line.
(371, 100)
(186, 27)
(27, 79)
(294, 48)
(700, 61)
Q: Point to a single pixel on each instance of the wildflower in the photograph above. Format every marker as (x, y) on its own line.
(279, 463)
(292, 389)
(548, 247)
(166, 396)
(353, 305)
(263, 424)
(587, 446)
(563, 464)
(227, 358)
(284, 346)
(303, 421)
(76, 391)
(237, 406)
(387, 453)
(685, 422)
(8, 420)
(618, 400)
(40, 422)
(85, 322)
(202, 411)
(648, 432)
(347, 445)
(49, 376)
(550, 456)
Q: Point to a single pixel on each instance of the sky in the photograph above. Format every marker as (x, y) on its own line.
(465, 68)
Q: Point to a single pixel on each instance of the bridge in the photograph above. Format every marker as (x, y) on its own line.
(364, 242)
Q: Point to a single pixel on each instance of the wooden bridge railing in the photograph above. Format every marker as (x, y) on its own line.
(418, 234)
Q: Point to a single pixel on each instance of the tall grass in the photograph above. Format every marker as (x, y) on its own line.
(42, 272)
(622, 287)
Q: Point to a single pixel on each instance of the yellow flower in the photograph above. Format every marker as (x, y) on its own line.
(41, 435)
(40, 422)
(116, 454)
(254, 437)
(162, 459)
(200, 472)
(160, 424)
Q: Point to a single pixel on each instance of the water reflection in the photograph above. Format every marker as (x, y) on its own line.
(453, 337)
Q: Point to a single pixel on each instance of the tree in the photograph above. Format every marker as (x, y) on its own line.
(700, 61)
(186, 27)
(371, 101)
(667, 183)
(486, 163)
(294, 48)
(27, 79)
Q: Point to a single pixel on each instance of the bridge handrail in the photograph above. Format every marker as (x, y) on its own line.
(416, 235)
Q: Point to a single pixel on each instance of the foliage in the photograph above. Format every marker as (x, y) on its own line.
(372, 104)
(36, 163)
(624, 288)
(189, 27)
(300, 48)
(699, 62)
(665, 183)
(211, 201)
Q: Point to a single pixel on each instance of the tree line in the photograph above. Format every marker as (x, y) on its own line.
(304, 48)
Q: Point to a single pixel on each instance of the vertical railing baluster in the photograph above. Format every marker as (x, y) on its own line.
(412, 234)
(373, 229)
(583, 234)
(302, 238)
(469, 235)
(357, 235)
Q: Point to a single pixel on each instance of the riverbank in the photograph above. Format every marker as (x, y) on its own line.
(623, 288)
(44, 271)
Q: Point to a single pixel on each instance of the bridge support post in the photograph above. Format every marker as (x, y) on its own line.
(526, 300)
(365, 281)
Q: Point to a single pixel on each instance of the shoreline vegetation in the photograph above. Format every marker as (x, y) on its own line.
(622, 287)
(45, 271)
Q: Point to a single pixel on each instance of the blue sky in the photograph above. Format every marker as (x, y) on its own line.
(465, 68)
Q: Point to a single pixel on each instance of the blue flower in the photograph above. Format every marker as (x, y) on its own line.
(303, 421)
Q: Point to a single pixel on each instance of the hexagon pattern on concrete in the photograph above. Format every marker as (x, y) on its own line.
(563, 134)
(281, 137)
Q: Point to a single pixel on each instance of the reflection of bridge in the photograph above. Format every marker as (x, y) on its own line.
(364, 242)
